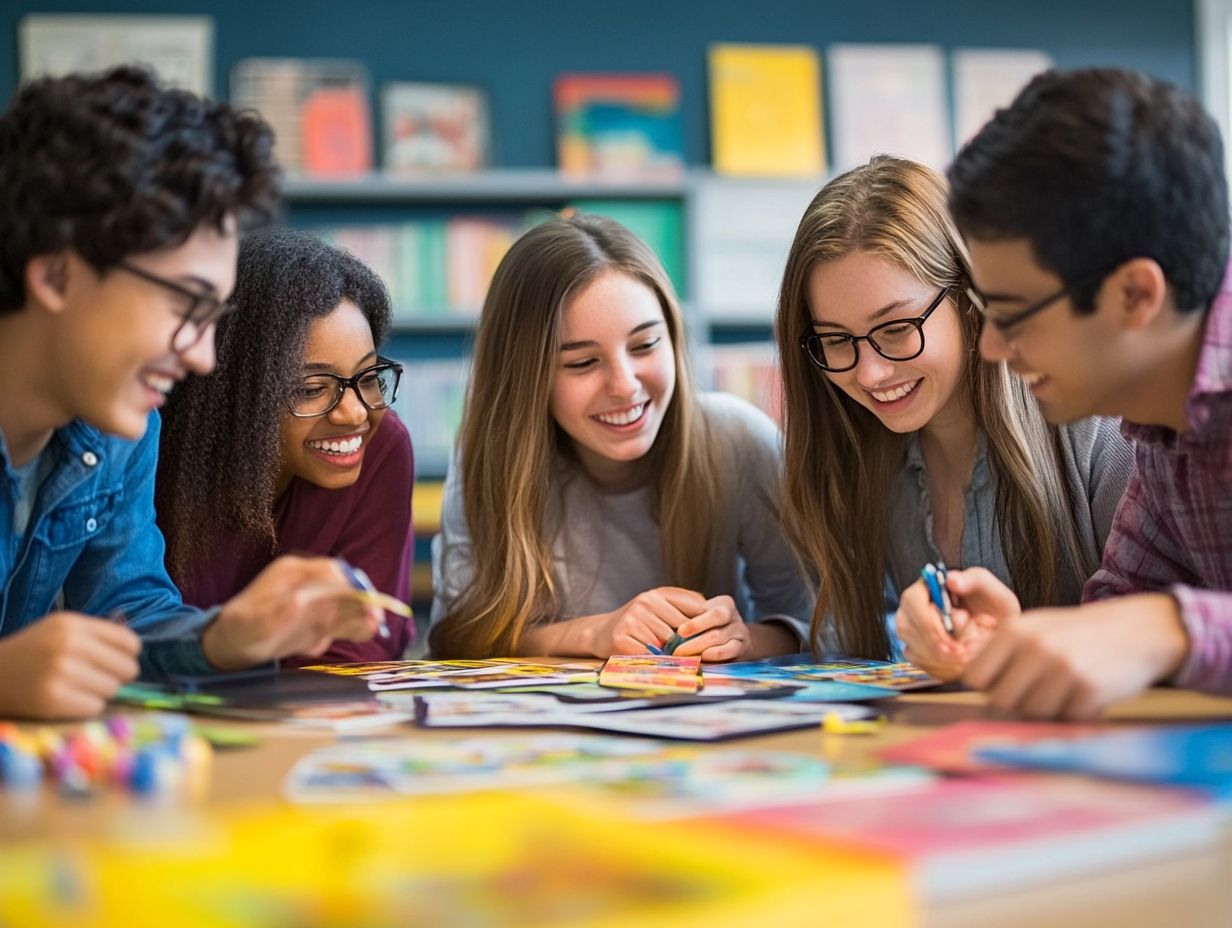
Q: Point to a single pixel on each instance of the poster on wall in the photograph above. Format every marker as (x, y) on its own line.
(987, 79)
(889, 99)
(180, 49)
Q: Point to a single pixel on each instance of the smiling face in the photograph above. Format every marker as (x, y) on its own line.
(615, 377)
(1073, 363)
(851, 295)
(329, 450)
(114, 362)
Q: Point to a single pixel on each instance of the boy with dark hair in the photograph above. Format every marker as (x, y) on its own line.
(120, 206)
(1096, 210)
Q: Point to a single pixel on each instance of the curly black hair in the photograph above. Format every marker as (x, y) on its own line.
(1097, 166)
(219, 453)
(114, 164)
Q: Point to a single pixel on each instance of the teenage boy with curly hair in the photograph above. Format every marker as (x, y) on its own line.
(121, 203)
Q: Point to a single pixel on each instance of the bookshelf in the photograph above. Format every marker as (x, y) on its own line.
(724, 241)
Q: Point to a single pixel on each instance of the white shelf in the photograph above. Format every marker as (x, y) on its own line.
(506, 184)
(445, 326)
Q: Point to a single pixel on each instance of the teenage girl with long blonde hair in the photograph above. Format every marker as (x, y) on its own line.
(597, 503)
(901, 446)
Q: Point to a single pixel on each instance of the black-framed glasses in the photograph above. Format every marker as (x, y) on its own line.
(318, 394)
(896, 340)
(1006, 322)
(199, 312)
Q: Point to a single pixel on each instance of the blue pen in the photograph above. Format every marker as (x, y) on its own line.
(358, 579)
(934, 578)
(652, 649)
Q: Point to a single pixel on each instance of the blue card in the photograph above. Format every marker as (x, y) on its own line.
(1196, 756)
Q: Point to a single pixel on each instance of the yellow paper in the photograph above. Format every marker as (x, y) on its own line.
(765, 110)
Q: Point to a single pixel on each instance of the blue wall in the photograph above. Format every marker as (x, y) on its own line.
(513, 48)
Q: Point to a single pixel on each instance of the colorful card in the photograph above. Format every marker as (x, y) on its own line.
(894, 676)
(378, 768)
(465, 674)
(717, 689)
(714, 722)
(800, 667)
(657, 673)
(953, 747)
(897, 677)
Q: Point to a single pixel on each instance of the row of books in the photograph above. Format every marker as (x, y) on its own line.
(440, 268)
(433, 268)
(765, 106)
(433, 391)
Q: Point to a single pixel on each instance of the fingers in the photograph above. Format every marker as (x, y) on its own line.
(919, 626)
(117, 637)
(719, 611)
(111, 653)
(980, 591)
(634, 632)
(687, 602)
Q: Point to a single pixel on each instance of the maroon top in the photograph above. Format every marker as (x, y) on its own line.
(367, 524)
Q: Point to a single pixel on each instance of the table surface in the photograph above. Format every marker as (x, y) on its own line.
(1197, 884)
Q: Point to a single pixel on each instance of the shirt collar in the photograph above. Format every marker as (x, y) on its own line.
(1213, 375)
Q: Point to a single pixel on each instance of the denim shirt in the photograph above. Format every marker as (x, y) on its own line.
(92, 540)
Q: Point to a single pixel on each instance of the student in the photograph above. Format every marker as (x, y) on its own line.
(119, 207)
(598, 504)
(902, 449)
(1096, 211)
(298, 408)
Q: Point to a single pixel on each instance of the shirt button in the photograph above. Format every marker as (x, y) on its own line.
(89, 459)
(91, 524)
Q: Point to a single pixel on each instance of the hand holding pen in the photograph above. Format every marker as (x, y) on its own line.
(368, 593)
(934, 577)
(942, 649)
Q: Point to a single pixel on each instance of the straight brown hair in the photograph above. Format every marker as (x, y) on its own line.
(841, 462)
(509, 445)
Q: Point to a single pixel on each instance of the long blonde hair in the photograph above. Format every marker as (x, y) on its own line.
(509, 444)
(841, 462)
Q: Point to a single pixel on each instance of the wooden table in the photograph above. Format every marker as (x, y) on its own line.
(1194, 890)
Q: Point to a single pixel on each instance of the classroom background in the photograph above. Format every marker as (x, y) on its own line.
(720, 193)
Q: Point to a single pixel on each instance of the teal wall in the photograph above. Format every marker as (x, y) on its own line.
(513, 48)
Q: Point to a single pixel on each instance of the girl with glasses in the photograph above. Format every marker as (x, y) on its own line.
(901, 446)
(598, 503)
(291, 447)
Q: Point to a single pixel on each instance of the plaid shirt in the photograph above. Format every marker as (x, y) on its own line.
(1173, 530)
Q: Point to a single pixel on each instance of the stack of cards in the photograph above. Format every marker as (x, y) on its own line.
(654, 673)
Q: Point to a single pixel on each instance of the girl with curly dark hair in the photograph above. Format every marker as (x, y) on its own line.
(290, 446)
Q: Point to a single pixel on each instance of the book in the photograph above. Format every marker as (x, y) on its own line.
(433, 127)
(765, 110)
(954, 748)
(889, 99)
(1195, 756)
(658, 223)
(986, 79)
(619, 125)
(965, 837)
(317, 107)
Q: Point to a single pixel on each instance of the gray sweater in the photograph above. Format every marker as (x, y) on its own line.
(607, 545)
(1097, 463)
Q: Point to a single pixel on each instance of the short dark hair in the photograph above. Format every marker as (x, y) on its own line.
(285, 281)
(114, 164)
(1095, 167)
